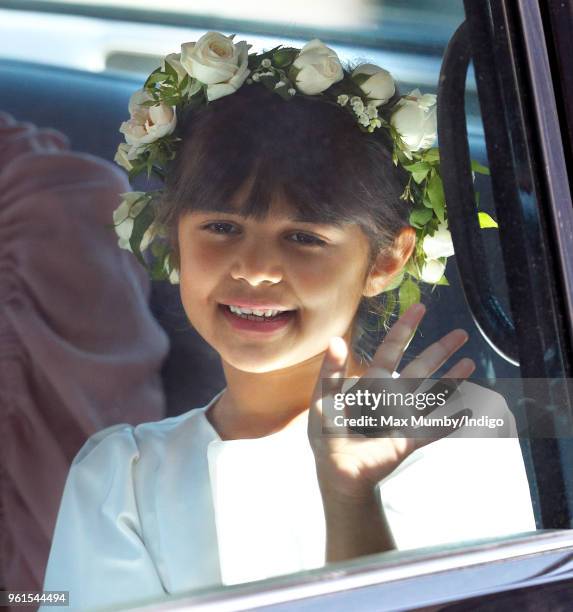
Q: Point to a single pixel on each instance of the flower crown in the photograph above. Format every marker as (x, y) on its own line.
(216, 66)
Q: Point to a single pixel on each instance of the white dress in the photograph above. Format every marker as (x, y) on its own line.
(167, 507)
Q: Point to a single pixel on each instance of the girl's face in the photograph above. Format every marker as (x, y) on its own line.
(314, 274)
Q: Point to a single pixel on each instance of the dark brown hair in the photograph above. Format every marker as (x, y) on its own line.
(309, 150)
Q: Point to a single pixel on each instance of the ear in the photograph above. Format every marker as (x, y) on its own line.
(389, 262)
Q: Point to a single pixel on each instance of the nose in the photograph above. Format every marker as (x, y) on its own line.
(257, 262)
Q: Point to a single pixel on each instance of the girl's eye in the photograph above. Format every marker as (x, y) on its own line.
(219, 227)
(307, 239)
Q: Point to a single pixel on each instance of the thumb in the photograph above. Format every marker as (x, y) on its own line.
(330, 380)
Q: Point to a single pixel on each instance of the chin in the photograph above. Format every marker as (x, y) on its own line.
(256, 363)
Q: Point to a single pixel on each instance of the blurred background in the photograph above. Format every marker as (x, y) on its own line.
(130, 36)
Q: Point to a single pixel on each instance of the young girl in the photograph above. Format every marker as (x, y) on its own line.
(284, 219)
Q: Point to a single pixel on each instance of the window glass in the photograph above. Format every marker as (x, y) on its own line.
(193, 497)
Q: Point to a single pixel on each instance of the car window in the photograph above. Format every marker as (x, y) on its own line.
(256, 523)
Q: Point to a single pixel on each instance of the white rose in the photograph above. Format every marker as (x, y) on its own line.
(415, 120)
(174, 60)
(440, 244)
(319, 68)
(123, 231)
(174, 277)
(432, 271)
(123, 216)
(217, 62)
(121, 158)
(147, 123)
(147, 238)
(379, 87)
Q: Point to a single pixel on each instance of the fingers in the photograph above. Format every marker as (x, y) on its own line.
(426, 436)
(463, 369)
(436, 355)
(390, 352)
(457, 374)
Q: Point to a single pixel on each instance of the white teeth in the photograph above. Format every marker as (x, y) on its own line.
(249, 311)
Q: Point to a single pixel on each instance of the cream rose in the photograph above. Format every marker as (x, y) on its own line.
(440, 244)
(174, 276)
(432, 271)
(147, 123)
(415, 120)
(218, 62)
(123, 216)
(319, 68)
(121, 156)
(379, 86)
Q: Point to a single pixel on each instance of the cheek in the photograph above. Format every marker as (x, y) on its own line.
(333, 286)
(195, 254)
(200, 270)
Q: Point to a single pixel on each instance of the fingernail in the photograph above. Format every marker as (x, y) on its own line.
(469, 363)
(464, 333)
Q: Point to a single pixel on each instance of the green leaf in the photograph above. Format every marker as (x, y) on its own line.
(426, 200)
(477, 167)
(486, 221)
(403, 159)
(143, 220)
(395, 282)
(418, 167)
(443, 281)
(418, 170)
(420, 216)
(171, 71)
(158, 271)
(408, 294)
(412, 266)
(436, 195)
(431, 155)
(419, 177)
(151, 78)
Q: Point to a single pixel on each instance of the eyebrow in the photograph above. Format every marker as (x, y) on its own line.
(296, 218)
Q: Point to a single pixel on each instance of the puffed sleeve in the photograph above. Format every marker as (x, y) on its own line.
(98, 551)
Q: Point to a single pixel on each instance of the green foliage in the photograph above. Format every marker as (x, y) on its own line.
(486, 221)
(409, 293)
(479, 169)
(420, 216)
(395, 282)
(143, 220)
(435, 190)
